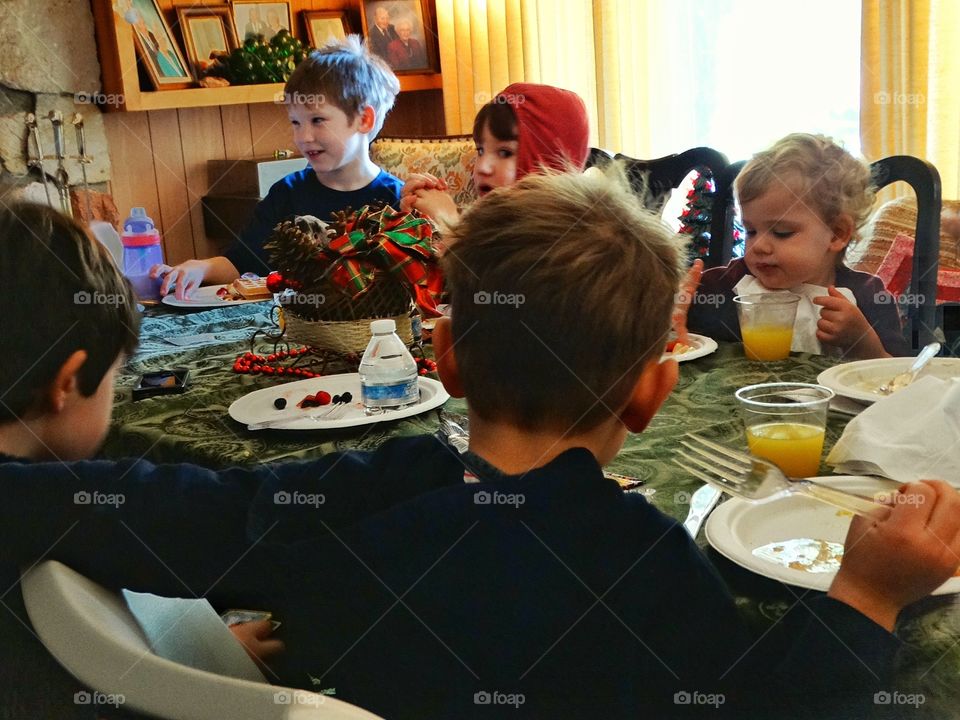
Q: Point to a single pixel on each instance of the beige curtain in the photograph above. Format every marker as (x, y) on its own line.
(910, 84)
(613, 53)
(487, 44)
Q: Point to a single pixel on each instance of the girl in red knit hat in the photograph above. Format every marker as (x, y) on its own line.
(526, 127)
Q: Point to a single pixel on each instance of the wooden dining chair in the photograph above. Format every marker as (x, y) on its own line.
(653, 180)
(921, 324)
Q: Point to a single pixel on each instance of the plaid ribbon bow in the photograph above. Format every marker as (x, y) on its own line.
(385, 239)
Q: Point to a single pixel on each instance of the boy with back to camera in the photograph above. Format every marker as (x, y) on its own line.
(428, 582)
(336, 100)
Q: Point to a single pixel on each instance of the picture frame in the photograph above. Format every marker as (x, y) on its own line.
(385, 21)
(322, 24)
(205, 29)
(157, 48)
(253, 17)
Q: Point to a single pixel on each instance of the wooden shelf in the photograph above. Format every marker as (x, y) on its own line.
(121, 81)
(238, 95)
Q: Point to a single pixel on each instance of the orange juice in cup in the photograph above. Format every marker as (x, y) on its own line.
(794, 447)
(785, 424)
(766, 324)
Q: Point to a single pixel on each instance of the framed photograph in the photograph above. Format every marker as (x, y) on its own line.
(261, 18)
(396, 30)
(324, 24)
(205, 29)
(156, 47)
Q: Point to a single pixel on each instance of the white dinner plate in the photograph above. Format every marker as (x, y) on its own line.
(737, 528)
(206, 297)
(858, 380)
(700, 345)
(258, 406)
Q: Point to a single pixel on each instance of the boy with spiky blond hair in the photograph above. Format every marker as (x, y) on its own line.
(336, 100)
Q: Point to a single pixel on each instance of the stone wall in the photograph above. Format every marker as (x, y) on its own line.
(48, 62)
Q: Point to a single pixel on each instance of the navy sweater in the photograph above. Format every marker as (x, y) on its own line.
(412, 594)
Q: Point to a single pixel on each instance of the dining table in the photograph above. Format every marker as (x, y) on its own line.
(195, 427)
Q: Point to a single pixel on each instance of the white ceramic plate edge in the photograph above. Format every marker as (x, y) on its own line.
(437, 398)
(705, 346)
(831, 376)
(720, 534)
(206, 297)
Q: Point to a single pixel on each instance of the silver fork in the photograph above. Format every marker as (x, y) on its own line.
(755, 479)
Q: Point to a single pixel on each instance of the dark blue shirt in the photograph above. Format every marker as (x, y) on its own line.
(413, 594)
(302, 193)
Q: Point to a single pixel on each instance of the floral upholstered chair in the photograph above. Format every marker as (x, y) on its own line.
(451, 158)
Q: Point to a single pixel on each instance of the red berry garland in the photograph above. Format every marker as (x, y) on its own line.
(425, 365)
(259, 364)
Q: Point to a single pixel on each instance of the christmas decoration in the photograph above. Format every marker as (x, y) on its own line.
(360, 267)
(259, 60)
(697, 215)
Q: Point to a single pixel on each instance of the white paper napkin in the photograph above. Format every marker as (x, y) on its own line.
(805, 327)
(188, 631)
(911, 435)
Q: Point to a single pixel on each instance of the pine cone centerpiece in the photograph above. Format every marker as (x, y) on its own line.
(364, 265)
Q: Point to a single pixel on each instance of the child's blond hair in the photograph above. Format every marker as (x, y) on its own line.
(824, 176)
(561, 289)
(346, 74)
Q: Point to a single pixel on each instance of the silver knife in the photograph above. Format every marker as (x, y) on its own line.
(702, 502)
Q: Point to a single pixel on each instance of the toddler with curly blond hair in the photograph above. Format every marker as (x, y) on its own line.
(802, 202)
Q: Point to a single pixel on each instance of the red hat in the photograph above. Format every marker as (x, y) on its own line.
(552, 127)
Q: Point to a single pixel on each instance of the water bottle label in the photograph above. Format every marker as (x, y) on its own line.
(398, 392)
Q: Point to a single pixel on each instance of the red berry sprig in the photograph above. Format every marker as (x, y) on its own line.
(249, 363)
(425, 366)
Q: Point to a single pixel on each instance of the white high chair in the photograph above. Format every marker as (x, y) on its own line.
(90, 631)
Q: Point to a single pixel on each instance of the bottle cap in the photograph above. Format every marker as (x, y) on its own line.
(138, 222)
(381, 327)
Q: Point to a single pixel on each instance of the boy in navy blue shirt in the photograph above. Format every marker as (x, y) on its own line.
(336, 100)
(418, 582)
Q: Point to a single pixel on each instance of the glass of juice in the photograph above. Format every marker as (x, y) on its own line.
(785, 424)
(766, 324)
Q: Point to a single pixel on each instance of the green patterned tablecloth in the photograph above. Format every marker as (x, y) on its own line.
(195, 427)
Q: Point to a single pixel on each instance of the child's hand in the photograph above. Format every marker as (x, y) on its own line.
(254, 636)
(844, 325)
(435, 204)
(415, 183)
(681, 309)
(183, 278)
(890, 563)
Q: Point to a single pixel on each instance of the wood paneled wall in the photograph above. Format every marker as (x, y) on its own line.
(159, 158)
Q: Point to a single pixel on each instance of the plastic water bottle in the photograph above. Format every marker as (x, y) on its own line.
(388, 372)
(141, 251)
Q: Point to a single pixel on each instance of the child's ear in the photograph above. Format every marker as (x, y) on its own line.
(842, 229)
(655, 383)
(368, 118)
(446, 360)
(66, 382)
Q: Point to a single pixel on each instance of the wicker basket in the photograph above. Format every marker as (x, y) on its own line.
(344, 336)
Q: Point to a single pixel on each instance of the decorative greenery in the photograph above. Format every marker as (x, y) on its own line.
(261, 61)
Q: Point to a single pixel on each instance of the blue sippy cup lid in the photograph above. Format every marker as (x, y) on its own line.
(138, 222)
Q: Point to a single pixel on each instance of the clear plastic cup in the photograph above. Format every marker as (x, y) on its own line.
(785, 424)
(766, 324)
